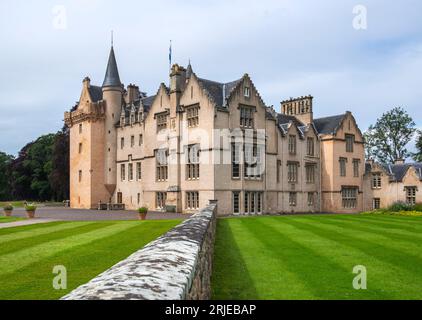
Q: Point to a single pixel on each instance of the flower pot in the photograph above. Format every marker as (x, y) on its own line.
(142, 216)
(30, 214)
(8, 213)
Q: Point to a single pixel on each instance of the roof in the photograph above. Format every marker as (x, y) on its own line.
(112, 78)
(96, 93)
(147, 102)
(285, 119)
(218, 91)
(328, 125)
(398, 171)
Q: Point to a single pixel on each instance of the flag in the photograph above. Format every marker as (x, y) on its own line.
(170, 55)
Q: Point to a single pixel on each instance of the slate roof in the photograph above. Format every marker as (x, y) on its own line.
(112, 78)
(218, 91)
(328, 125)
(285, 119)
(398, 171)
(96, 93)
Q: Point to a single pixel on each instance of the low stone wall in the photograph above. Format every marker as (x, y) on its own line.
(176, 266)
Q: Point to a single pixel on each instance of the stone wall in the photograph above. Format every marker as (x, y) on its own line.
(176, 266)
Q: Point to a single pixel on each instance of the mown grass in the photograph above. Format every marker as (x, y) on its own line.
(28, 254)
(4, 219)
(312, 257)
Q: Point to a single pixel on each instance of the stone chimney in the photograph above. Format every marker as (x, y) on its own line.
(177, 85)
(300, 107)
(132, 93)
(86, 82)
(399, 161)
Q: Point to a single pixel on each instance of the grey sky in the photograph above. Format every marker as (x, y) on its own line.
(289, 48)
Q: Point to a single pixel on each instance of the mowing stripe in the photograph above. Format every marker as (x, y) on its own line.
(413, 226)
(394, 257)
(36, 230)
(14, 230)
(16, 260)
(31, 241)
(339, 257)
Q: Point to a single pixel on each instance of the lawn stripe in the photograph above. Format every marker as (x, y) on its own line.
(64, 231)
(410, 226)
(396, 258)
(36, 230)
(19, 229)
(83, 262)
(13, 261)
(332, 262)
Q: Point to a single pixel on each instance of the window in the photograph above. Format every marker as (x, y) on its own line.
(292, 199)
(160, 200)
(130, 171)
(246, 117)
(246, 92)
(192, 116)
(356, 167)
(80, 175)
(376, 181)
(119, 197)
(311, 199)
(236, 202)
(310, 148)
(132, 141)
(310, 173)
(161, 164)
(350, 140)
(192, 166)
(254, 161)
(161, 122)
(139, 198)
(292, 144)
(132, 118)
(253, 202)
(192, 200)
(292, 172)
(349, 197)
(138, 171)
(140, 139)
(278, 170)
(411, 195)
(80, 128)
(343, 162)
(122, 171)
(80, 148)
(235, 161)
(122, 143)
(376, 203)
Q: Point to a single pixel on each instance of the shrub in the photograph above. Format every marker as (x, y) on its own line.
(400, 206)
(417, 207)
(8, 207)
(30, 207)
(143, 210)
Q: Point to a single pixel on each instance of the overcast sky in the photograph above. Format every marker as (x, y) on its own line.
(289, 48)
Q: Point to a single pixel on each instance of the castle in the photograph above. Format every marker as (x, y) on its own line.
(198, 140)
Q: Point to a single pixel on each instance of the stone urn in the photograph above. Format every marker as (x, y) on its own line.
(8, 210)
(142, 212)
(30, 211)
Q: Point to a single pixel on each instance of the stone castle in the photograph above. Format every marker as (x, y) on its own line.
(198, 140)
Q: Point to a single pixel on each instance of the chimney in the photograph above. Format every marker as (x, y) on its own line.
(86, 82)
(301, 108)
(399, 161)
(177, 78)
(132, 93)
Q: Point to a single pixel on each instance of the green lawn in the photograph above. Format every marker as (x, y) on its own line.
(29, 253)
(312, 257)
(4, 219)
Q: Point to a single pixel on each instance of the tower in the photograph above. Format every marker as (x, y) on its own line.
(112, 90)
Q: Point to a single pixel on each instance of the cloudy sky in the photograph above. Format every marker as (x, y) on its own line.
(289, 48)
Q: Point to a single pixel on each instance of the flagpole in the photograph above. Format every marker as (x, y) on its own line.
(170, 57)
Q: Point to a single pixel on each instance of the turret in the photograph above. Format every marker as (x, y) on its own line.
(112, 95)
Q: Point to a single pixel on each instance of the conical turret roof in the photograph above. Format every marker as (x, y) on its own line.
(112, 78)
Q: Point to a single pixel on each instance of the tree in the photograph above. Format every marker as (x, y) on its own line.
(386, 140)
(59, 176)
(5, 188)
(418, 155)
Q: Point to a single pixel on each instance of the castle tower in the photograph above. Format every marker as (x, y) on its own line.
(300, 107)
(112, 95)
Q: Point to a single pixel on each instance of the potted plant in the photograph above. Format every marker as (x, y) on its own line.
(8, 209)
(143, 213)
(30, 210)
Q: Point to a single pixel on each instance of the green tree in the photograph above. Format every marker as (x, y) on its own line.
(386, 141)
(59, 176)
(5, 188)
(418, 155)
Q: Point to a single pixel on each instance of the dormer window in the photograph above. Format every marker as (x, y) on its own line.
(246, 92)
(122, 121)
(132, 118)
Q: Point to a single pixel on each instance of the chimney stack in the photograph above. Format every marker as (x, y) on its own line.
(399, 161)
(132, 93)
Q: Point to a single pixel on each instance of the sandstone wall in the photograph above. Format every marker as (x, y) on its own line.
(176, 266)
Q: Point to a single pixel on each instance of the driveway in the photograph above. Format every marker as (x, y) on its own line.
(68, 214)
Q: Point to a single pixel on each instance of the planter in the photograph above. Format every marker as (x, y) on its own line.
(142, 216)
(8, 213)
(30, 214)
